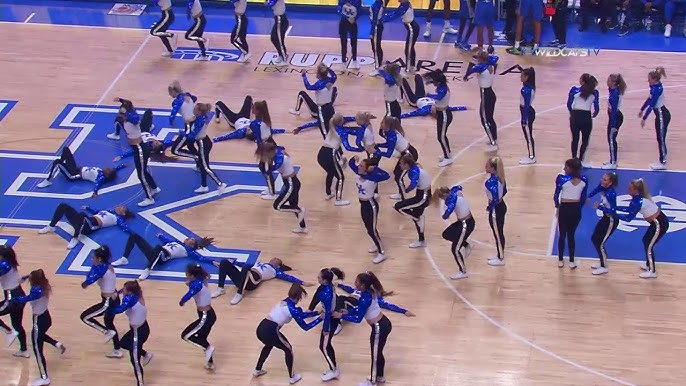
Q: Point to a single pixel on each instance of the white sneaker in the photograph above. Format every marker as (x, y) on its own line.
(109, 335)
(372, 250)
(258, 373)
(120, 261)
(72, 243)
(573, 264)
(395, 196)
(293, 112)
(294, 379)
(374, 72)
(21, 354)
(174, 41)
(299, 230)
(338, 329)
(467, 250)
(301, 215)
(46, 229)
(244, 58)
(658, 166)
(418, 244)
(527, 161)
(560, 263)
(202, 189)
(496, 262)
(376, 196)
(595, 266)
(379, 258)
(221, 189)
(609, 166)
(491, 148)
(166, 54)
(146, 359)
(448, 29)
(11, 338)
(269, 196)
(41, 382)
(145, 274)
(365, 383)
(329, 197)
(146, 202)
(280, 63)
(342, 202)
(427, 31)
(445, 162)
(113, 136)
(114, 354)
(668, 30)
(236, 299)
(599, 271)
(156, 191)
(218, 292)
(643, 266)
(330, 374)
(208, 353)
(44, 184)
(459, 275)
(202, 58)
(354, 64)
(643, 275)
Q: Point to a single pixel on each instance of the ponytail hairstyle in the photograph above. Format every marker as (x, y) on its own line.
(175, 89)
(322, 71)
(588, 85)
(441, 194)
(8, 255)
(618, 81)
(146, 121)
(574, 165)
(640, 185)
(278, 263)
(37, 278)
(370, 282)
(197, 272)
(530, 77)
(363, 118)
(158, 154)
(328, 274)
(614, 179)
(393, 69)
(261, 112)
(436, 77)
(658, 73)
(128, 106)
(203, 109)
(482, 56)
(103, 254)
(202, 242)
(133, 287)
(497, 164)
(296, 292)
(394, 124)
(265, 151)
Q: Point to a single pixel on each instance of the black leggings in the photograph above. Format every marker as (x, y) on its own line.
(568, 218)
(410, 41)
(195, 32)
(133, 342)
(66, 165)
(369, 210)
(141, 155)
(269, 333)
(412, 96)
(16, 313)
(393, 109)
(486, 111)
(78, 220)
(322, 113)
(155, 256)
(458, 233)
(104, 309)
(496, 220)
(612, 133)
(268, 177)
(346, 28)
(160, 28)
(414, 208)
(288, 198)
(581, 124)
(245, 280)
(662, 119)
(325, 345)
(329, 159)
(605, 227)
(559, 21)
(443, 120)
(375, 38)
(398, 171)
(278, 35)
(221, 110)
(197, 332)
(204, 149)
(657, 229)
(377, 341)
(181, 142)
(239, 34)
(528, 130)
(39, 335)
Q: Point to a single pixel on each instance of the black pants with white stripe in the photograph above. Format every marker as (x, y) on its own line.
(278, 35)
(528, 130)
(496, 220)
(195, 32)
(605, 227)
(197, 332)
(375, 38)
(398, 171)
(268, 177)
(204, 148)
(411, 95)
(245, 280)
(269, 333)
(662, 119)
(78, 220)
(16, 313)
(414, 208)
(66, 165)
(581, 124)
(39, 336)
(443, 120)
(133, 342)
(221, 110)
(182, 142)
(141, 155)
(393, 109)
(322, 113)
(612, 133)
(325, 345)
(155, 255)
(486, 111)
(288, 198)
(239, 34)
(104, 309)
(329, 159)
(568, 219)
(657, 229)
(377, 341)
(161, 26)
(369, 211)
(346, 28)
(458, 233)
(410, 41)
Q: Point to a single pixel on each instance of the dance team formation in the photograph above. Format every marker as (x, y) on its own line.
(340, 133)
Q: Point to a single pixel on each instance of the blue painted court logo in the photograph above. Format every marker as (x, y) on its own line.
(24, 205)
(5, 107)
(669, 193)
(215, 55)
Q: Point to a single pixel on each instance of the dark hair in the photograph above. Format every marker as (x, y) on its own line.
(408, 159)
(261, 110)
(575, 166)
(297, 292)
(37, 278)
(203, 242)
(589, 84)
(530, 77)
(128, 214)
(197, 271)
(146, 121)
(103, 253)
(264, 148)
(109, 174)
(614, 179)
(133, 287)
(7, 253)
(328, 274)
(250, 135)
(436, 77)
(128, 105)
(370, 282)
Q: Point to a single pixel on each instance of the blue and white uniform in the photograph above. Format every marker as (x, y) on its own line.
(367, 185)
(569, 198)
(485, 74)
(656, 103)
(149, 141)
(106, 279)
(240, 29)
(352, 300)
(376, 11)
(608, 222)
(196, 30)
(392, 94)
(413, 207)
(279, 28)
(288, 199)
(458, 232)
(197, 332)
(444, 117)
(259, 131)
(349, 11)
(161, 26)
(137, 335)
(616, 118)
(322, 105)
(405, 12)
(326, 295)
(527, 94)
(396, 144)
(66, 165)
(495, 193)
(11, 288)
(580, 121)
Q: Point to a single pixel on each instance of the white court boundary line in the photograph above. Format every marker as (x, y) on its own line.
(28, 19)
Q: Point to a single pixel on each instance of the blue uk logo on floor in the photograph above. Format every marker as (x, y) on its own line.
(24, 205)
(5, 107)
(669, 193)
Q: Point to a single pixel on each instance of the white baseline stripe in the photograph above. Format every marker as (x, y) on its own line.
(28, 19)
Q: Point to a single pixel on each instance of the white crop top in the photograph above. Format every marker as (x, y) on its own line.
(90, 173)
(648, 208)
(106, 218)
(137, 314)
(164, 4)
(570, 191)
(203, 132)
(40, 305)
(10, 280)
(204, 297)
(266, 271)
(486, 78)
(401, 143)
(132, 131)
(265, 131)
(408, 17)
(286, 168)
(196, 8)
(365, 189)
(280, 314)
(146, 137)
(175, 250)
(373, 311)
(332, 139)
(324, 96)
(392, 93)
(579, 103)
(444, 102)
(279, 8)
(108, 282)
(462, 209)
(426, 101)
(240, 6)
(368, 136)
(187, 108)
(424, 182)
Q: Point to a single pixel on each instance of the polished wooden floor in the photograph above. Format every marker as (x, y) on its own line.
(527, 323)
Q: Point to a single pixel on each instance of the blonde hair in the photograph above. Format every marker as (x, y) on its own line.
(203, 108)
(443, 190)
(393, 69)
(640, 185)
(497, 164)
(363, 118)
(175, 88)
(658, 73)
(322, 71)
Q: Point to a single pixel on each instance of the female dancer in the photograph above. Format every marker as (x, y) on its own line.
(324, 95)
(279, 29)
(484, 16)
(161, 26)
(204, 145)
(155, 145)
(133, 304)
(169, 249)
(485, 70)
(570, 196)
(656, 104)
(348, 9)
(261, 129)
(240, 30)
(331, 160)
(418, 98)
(183, 103)
(527, 94)
(413, 207)
(617, 87)
(326, 294)
(146, 124)
(269, 330)
(89, 221)
(244, 131)
(392, 92)
(66, 165)
(221, 110)
(641, 202)
(496, 189)
(406, 12)
(607, 224)
(280, 161)
(39, 296)
(196, 30)
(197, 332)
(11, 288)
(395, 142)
(376, 12)
(444, 115)
(580, 119)
(251, 276)
(447, 28)
(370, 174)
(101, 272)
(458, 232)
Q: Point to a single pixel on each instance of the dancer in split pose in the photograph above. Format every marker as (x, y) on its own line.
(458, 232)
